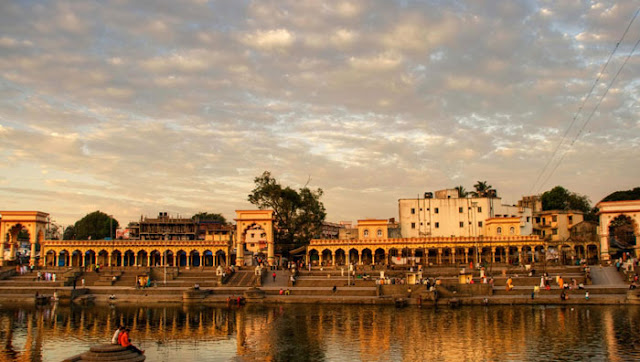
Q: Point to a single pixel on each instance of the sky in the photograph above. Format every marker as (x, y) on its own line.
(137, 107)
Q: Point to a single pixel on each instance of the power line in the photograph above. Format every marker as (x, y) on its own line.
(593, 111)
(584, 101)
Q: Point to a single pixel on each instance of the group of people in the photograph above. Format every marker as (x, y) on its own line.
(121, 337)
(46, 276)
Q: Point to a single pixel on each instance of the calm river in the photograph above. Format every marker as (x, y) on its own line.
(330, 333)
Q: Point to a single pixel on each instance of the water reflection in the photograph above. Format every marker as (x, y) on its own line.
(326, 332)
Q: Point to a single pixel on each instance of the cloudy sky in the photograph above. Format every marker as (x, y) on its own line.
(136, 107)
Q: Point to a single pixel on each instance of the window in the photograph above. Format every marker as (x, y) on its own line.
(512, 230)
(499, 230)
(537, 220)
(366, 232)
(379, 233)
(554, 231)
(479, 208)
(554, 218)
(420, 209)
(528, 218)
(437, 225)
(570, 219)
(480, 224)
(460, 210)
(413, 225)
(253, 235)
(421, 224)
(413, 211)
(461, 224)
(435, 210)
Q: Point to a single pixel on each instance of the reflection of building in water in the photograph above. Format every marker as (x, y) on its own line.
(333, 332)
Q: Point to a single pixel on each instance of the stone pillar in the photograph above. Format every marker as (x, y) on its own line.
(108, 259)
(333, 258)
(493, 254)
(466, 256)
(240, 252)
(307, 258)
(12, 247)
(149, 259)
(270, 253)
(453, 256)
(520, 256)
(135, 259)
(360, 258)
(439, 256)
(32, 257)
(604, 242)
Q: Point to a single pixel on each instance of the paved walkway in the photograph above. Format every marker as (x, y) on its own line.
(607, 275)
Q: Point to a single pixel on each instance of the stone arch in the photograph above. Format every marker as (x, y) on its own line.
(156, 257)
(102, 258)
(366, 256)
(181, 258)
(340, 256)
(50, 258)
(34, 222)
(314, 256)
(116, 258)
(610, 211)
(379, 256)
(221, 258)
(76, 258)
(64, 258)
(326, 257)
(129, 258)
(194, 258)
(207, 258)
(245, 219)
(169, 258)
(142, 258)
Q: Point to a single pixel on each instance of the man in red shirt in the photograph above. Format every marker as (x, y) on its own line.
(124, 341)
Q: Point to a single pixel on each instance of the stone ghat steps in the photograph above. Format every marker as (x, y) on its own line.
(340, 291)
(556, 291)
(330, 282)
(32, 284)
(107, 352)
(241, 279)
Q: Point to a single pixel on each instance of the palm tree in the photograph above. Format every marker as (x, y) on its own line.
(482, 189)
(461, 191)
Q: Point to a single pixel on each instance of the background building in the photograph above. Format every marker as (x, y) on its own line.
(448, 215)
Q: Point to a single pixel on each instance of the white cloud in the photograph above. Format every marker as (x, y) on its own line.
(270, 39)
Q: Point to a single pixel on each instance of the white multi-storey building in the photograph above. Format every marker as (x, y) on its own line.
(449, 215)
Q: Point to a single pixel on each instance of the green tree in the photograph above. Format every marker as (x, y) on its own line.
(69, 233)
(482, 189)
(633, 194)
(461, 191)
(298, 214)
(95, 226)
(206, 216)
(559, 198)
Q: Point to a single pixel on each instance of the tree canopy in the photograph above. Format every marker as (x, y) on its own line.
(633, 194)
(95, 226)
(211, 217)
(559, 198)
(461, 191)
(482, 189)
(69, 233)
(298, 214)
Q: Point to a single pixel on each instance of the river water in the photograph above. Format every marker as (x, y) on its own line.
(329, 333)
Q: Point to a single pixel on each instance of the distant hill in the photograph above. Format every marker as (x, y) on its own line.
(624, 195)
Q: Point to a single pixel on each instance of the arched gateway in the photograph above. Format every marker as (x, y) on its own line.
(12, 222)
(613, 213)
(254, 220)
